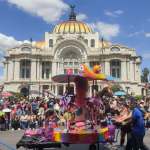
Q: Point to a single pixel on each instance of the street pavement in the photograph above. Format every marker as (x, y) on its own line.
(8, 140)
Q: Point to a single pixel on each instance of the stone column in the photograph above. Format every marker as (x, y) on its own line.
(56, 89)
(58, 67)
(5, 71)
(134, 73)
(53, 88)
(38, 69)
(107, 67)
(33, 70)
(128, 70)
(131, 70)
(61, 67)
(54, 68)
(138, 72)
(17, 70)
(123, 71)
(50, 75)
(10, 70)
(13, 75)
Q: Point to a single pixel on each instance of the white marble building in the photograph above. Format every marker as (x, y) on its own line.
(30, 66)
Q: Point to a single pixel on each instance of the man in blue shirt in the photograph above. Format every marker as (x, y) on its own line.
(34, 107)
(138, 122)
(137, 131)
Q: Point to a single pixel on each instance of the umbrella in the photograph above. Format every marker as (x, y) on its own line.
(65, 78)
(110, 78)
(6, 110)
(120, 93)
(6, 94)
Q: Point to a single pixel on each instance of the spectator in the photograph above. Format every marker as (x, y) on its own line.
(34, 107)
(137, 131)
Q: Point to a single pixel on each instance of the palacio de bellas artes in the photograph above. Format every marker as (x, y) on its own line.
(28, 67)
(74, 74)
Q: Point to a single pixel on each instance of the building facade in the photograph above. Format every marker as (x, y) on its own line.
(30, 66)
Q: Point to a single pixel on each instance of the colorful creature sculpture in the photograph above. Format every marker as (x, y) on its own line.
(97, 69)
(92, 74)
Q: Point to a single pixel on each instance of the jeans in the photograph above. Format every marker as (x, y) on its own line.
(7, 123)
(24, 124)
(135, 142)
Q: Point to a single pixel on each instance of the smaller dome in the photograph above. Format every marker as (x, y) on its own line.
(105, 44)
(40, 44)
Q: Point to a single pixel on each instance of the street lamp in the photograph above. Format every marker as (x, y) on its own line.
(127, 88)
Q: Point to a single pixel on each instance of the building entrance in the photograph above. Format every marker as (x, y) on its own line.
(24, 91)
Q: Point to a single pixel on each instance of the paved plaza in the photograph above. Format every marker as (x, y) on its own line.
(8, 140)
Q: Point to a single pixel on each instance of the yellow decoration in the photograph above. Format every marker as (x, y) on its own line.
(93, 74)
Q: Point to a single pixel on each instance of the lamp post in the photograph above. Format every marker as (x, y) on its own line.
(127, 88)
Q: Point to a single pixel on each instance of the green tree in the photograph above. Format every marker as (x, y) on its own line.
(145, 74)
(116, 87)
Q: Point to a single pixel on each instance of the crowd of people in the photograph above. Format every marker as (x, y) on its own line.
(25, 113)
(130, 116)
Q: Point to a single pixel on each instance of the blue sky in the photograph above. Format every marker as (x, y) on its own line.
(120, 21)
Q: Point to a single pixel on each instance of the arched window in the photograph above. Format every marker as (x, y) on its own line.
(25, 91)
(71, 61)
(28, 49)
(25, 69)
(92, 43)
(86, 41)
(115, 68)
(50, 43)
(115, 49)
(46, 69)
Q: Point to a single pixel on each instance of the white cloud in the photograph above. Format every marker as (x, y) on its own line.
(147, 34)
(49, 10)
(146, 55)
(106, 30)
(119, 12)
(115, 13)
(137, 33)
(7, 42)
(81, 17)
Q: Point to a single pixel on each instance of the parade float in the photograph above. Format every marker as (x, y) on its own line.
(84, 127)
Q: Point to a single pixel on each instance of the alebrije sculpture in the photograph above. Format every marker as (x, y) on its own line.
(94, 74)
